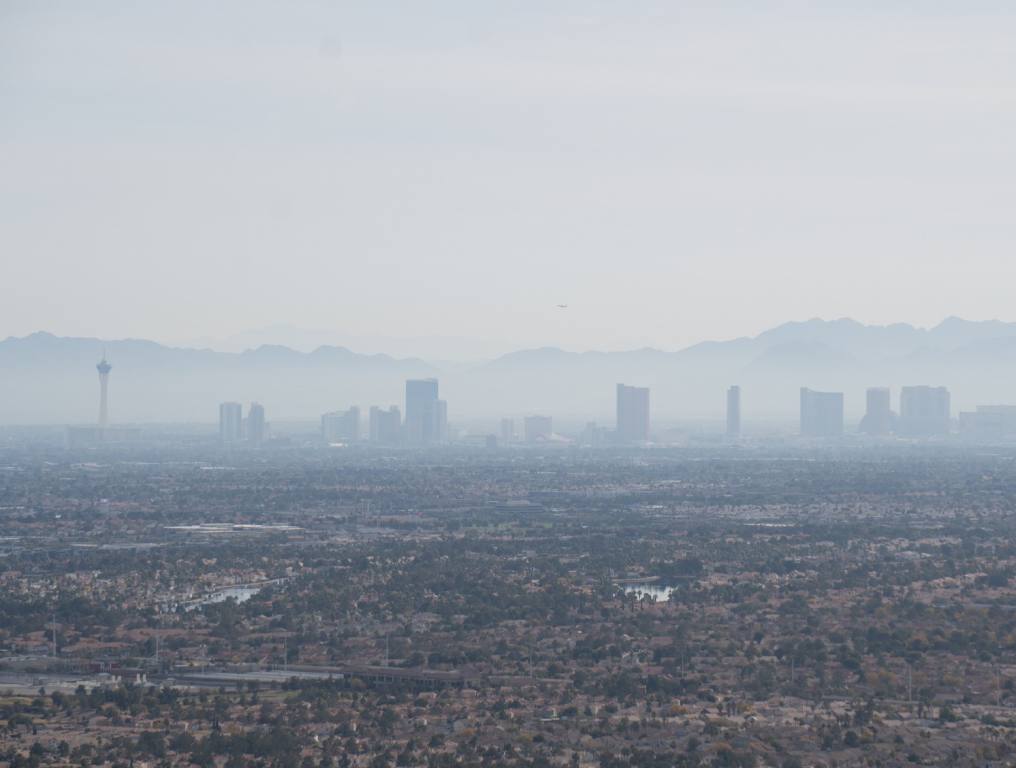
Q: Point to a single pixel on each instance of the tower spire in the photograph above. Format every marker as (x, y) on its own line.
(103, 367)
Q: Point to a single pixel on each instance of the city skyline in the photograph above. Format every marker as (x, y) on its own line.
(155, 383)
(924, 412)
(507, 385)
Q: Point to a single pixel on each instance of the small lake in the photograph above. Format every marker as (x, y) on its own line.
(241, 594)
(660, 591)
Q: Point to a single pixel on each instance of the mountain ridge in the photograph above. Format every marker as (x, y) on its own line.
(946, 329)
(46, 378)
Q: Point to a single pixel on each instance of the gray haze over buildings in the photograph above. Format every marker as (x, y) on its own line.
(451, 171)
(433, 383)
(50, 379)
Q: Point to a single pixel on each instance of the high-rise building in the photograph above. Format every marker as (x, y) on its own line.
(734, 412)
(442, 422)
(632, 414)
(992, 422)
(103, 367)
(593, 436)
(878, 415)
(538, 428)
(341, 426)
(924, 411)
(422, 412)
(507, 431)
(230, 422)
(385, 425)
(256, 424)
(821, 413)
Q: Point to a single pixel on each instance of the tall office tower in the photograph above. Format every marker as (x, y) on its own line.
(103, 368)
(632, 414)
(230, 422)
(256, 424)
(734, 412)
(924, 411)
(593, 436)
(992, 422)
(878, 416)
(385, 425)
(538, 428)
(507, 431)
(341, 426)
(821, 413)
(353, 423)
(421, 411)
(442, 422)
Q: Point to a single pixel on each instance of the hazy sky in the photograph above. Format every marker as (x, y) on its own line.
(672, 171)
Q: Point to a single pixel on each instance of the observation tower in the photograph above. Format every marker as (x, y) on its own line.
(103, 368)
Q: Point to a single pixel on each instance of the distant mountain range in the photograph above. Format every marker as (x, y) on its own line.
(50, 379)
(458, 348)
